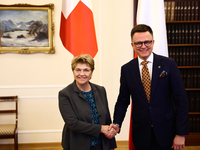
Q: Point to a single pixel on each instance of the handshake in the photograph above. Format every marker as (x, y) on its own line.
(110, 131)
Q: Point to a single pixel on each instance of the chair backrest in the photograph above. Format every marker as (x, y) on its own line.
(9, 130)
(8, 111)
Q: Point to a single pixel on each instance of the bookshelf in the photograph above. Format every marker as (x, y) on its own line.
(183, 25)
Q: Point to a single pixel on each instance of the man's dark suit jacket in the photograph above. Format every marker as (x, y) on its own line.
(168, 108)
(77, 116)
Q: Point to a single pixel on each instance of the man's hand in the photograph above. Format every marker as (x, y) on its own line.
(114, 126)
(108, 133)
(179, 142)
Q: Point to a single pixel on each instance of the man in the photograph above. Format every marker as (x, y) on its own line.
(160, 114)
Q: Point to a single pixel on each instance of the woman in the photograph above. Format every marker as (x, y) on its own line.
(84, 108)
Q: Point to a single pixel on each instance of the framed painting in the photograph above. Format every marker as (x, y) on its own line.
(27, 28)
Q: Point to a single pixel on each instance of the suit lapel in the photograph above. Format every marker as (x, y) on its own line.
(77, 90)
(157, 69)
(137, 78)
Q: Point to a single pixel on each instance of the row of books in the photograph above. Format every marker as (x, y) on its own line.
(182, 10)
(193, 101)
(194, 123)
(191, 77)
(183, 33)
(185, 56)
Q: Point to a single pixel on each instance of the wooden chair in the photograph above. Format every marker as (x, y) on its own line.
(9, 130)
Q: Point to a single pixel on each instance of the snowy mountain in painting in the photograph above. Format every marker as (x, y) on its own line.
(8, 25)
(22, 26)
(5, 27)
(30, 22)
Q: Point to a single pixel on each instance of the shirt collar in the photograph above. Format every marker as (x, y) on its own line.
(150, 59)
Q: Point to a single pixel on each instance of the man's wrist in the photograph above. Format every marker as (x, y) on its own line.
(117, 124)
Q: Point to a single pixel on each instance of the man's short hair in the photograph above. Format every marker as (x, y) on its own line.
(141, 28)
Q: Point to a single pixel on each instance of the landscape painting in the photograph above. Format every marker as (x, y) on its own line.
(26, 28)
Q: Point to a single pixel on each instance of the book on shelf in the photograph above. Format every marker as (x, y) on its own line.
(180, 56)
(174, 53)
(193, 56)
(190, 57)
(185, 10)
(194, 34)
(181, 71)
(190, 34)
(184, 56)
(172, 34)
(191, 78)
(181, 10)
(192, 10)
(169, 11)
(195, 79)
(177, 56)
(186, 33)
(197, 33)
(172, 11)
(188, 79)
(178, 11)
(189, 13)
(182, 33)
(188, 98)
(179, 34)
(185, 77)
(196, 10)
(169, 33)
(197, 59)
(170, 52)
(176, 36)
(187, 56)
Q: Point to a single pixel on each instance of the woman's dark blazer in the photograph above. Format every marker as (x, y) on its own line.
(77, 116)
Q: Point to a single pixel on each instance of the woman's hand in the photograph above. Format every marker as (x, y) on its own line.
(108, 133)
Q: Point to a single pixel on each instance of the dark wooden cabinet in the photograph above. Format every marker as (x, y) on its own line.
(183, 25)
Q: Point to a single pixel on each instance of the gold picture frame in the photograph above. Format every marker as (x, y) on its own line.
(27, 28)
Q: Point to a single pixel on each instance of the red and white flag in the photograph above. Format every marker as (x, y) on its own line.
(77, 30)
(152, 13)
